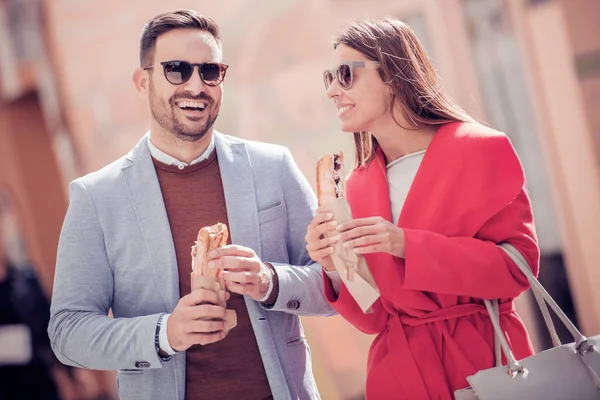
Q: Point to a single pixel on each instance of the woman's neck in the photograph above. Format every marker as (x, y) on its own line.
(396, 141)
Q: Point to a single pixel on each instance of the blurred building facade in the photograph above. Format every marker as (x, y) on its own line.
(530, 68)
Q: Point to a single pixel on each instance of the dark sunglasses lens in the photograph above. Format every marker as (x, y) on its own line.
(345, 76)
(178, 72)
(211, 73)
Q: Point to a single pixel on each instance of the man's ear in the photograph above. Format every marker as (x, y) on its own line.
(141, 80)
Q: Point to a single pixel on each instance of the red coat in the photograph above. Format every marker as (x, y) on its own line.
(432, 328)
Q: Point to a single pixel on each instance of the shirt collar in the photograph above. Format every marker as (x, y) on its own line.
(169, 160)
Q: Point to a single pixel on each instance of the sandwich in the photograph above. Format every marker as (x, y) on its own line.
(331, 184)
(209, 238)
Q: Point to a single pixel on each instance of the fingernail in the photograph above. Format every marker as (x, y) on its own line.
(211, 264)
(329, 215)
(213, 253)
(346, 245)
(340, 227)
(333, 224)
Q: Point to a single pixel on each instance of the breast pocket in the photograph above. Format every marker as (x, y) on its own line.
(270, 213)
(273, 234)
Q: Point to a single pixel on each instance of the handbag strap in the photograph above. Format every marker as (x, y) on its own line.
(542, 297)
(523, 265)
(497, 346)
(541, 293)
(513, 364)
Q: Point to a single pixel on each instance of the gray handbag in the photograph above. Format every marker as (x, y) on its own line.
(566, 371)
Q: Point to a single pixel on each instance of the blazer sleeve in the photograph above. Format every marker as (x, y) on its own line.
(300, 281)
(80, 331)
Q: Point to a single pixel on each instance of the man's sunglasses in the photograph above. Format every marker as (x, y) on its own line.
(344, 73)
(179, 72)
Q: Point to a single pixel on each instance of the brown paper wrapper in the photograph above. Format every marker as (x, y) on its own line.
(218, 286)
(352, 267)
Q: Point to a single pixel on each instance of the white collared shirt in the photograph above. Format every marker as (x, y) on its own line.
(169, 160)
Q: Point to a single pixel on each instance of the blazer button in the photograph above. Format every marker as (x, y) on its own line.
(142, 364)
(293, 304)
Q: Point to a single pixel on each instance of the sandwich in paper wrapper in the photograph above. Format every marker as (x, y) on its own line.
(204, 277)
(352, 267)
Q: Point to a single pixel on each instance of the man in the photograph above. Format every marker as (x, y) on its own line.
(126, 241)
(25, 354)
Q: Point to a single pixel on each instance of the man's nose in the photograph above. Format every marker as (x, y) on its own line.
(195, 85)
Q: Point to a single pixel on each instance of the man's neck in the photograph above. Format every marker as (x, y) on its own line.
(182, 150)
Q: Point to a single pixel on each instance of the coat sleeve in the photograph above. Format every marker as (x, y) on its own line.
(474, 267)
(370, 323)
(485, 198)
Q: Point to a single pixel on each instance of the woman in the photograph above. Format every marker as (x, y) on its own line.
(432, 194)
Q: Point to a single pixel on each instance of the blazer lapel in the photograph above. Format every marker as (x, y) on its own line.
(146, 196)
(242, 212)
(240, 196)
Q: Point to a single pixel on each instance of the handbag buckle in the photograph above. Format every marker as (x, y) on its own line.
(515, 370)
(584, 347)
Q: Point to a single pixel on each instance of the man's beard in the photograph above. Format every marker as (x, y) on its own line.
(164, 114)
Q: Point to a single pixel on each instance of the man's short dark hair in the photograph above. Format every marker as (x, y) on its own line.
(178, 19)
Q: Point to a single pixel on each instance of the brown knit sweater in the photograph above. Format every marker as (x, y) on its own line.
(231, 368)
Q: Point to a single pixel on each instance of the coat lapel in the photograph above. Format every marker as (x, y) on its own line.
(386, 269)
(146, 196)
(240, 196)
(411, 215)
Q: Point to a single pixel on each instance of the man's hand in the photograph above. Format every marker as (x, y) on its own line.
(196, 320)
(243, 271)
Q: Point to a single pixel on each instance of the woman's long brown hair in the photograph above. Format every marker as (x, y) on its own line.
(408, 72)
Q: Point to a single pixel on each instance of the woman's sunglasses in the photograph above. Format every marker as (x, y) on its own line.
(179, 72)
(344, 73)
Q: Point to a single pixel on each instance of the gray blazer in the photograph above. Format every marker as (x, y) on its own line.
(116, 253)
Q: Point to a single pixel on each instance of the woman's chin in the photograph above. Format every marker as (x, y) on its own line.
(351, 128)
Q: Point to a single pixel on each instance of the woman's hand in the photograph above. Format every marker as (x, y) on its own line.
(373, 235)
(320, 248)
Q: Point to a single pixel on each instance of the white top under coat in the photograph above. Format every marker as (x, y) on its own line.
(400, 175)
